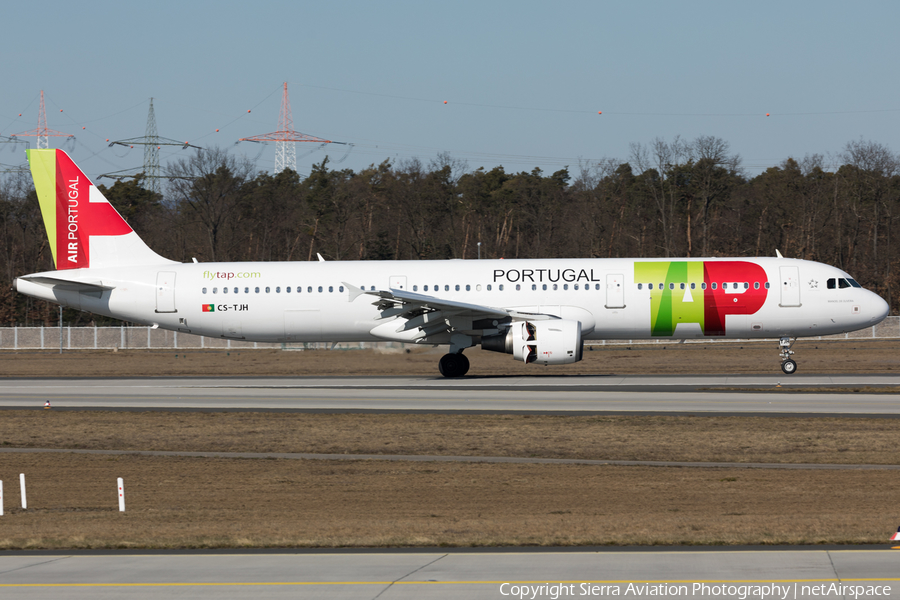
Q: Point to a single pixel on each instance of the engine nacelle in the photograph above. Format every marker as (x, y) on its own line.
(555, 342)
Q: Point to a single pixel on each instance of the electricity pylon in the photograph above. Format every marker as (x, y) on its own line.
(285, 137)
(152, 144)
(42, 133)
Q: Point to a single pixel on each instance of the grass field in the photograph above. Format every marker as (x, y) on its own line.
(230, 502)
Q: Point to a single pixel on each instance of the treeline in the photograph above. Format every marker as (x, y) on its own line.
(668, 199)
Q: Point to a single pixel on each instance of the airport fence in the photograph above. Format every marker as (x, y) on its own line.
(148, 338)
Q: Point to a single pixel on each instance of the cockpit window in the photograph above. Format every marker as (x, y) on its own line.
(831, 284)
(854, 283)
(843, 283)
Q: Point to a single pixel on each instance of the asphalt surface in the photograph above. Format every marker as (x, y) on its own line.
(435, 574)
(690, 394)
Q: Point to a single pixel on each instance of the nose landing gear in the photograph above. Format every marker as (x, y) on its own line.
(788, 365)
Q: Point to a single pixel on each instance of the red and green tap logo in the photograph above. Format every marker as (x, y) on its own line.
(700, 292)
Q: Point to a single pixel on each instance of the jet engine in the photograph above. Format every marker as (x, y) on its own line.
(554, 342)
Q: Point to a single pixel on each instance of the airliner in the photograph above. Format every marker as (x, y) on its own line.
(541, 311)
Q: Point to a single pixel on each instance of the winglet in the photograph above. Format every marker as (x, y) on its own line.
(778, 254)
(354, 292)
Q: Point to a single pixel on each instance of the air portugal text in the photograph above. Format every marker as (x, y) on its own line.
(72, 220)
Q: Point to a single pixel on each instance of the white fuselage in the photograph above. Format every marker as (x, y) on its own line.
(612, 298)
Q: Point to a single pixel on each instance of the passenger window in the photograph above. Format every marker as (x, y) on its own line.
(576, 287)
(267, 290)
(500, 287)
(649, 286)
(247, 290)
(681, 286)
(204, 290)
(278, 290)
(533, 287)
(288, 289)
(424, 288)
(671, 286)
(640, 286)
(596, 286)
(309, 290)
(660, 286)
(446, 288)
(544, 287)
(489, 287)
(320, 289)
(565, 286)
(746, 286)
(330, 288)
(755, 285)
(767, 285)
(478, 287)
(555, 287)
(215, 290)
(341, 289)
(224, 290)
(468, 288)
(256, 290)
(703, 286)
(693, 286)
(518, 287)
(457, 287)
(415, 288)
(714, 285)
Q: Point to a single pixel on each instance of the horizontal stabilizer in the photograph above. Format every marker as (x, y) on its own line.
(68, 284)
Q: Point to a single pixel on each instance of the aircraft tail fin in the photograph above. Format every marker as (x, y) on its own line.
(83, 227)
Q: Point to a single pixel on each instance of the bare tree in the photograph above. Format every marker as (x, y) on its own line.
(207, 189)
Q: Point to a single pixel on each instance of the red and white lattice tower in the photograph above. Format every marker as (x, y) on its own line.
(42, 132)
(285, 137)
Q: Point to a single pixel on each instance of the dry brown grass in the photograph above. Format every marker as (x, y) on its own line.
(671, 438)
(192, 502)
(813, 356)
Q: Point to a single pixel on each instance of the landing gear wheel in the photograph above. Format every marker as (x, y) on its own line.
(789, 367)
(787, 363)
(465, 363)
(453, 365)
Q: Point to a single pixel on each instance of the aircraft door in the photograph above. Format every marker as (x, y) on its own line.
(615, 291)
(790, 286)
(165, 292)
(398, 282)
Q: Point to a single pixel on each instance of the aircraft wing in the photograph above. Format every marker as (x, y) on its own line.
(431, 315)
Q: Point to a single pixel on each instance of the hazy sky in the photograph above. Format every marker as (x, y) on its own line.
(523, 81)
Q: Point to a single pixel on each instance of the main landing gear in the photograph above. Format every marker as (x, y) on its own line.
(787, 363)
(453, 365)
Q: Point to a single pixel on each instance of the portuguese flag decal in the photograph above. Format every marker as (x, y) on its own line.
(209, 308)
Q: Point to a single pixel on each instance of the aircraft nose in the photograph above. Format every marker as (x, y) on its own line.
(879, 309)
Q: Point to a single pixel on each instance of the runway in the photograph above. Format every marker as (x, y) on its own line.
(734, 394)
(763, 574)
